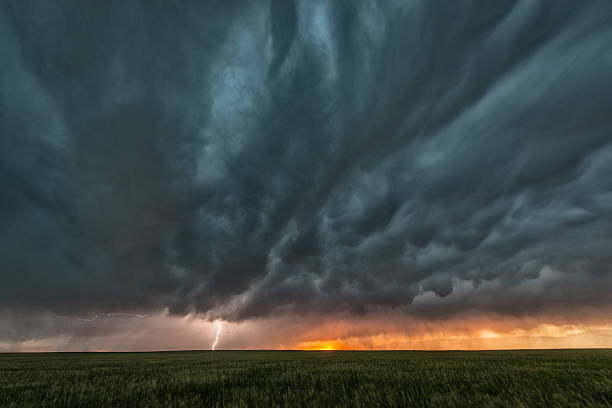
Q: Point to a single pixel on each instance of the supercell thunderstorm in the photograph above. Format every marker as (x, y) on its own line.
(246, 159)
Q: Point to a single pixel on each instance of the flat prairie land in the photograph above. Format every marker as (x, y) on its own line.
(538, 378)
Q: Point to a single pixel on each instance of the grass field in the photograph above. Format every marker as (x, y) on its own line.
(293, 378)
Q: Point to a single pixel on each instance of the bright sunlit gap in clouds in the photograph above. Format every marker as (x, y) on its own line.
(545, 336)
(163, 331)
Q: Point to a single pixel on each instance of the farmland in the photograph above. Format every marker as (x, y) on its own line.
(299, 378)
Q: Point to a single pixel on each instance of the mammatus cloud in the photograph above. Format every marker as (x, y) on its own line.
(253, 159)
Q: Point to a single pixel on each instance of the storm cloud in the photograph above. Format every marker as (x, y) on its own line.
(241, 159)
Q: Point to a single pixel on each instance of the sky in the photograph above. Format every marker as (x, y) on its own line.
(401, 174)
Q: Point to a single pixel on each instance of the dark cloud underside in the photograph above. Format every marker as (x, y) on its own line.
(248, 157)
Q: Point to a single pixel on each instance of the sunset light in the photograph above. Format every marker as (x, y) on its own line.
(324, 345)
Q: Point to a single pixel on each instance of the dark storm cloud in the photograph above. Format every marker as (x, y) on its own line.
(252, 157)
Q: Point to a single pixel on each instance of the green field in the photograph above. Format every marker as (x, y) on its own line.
(293, 378)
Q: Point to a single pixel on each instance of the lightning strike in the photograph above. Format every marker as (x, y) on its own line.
(218, 324)
(98, 316)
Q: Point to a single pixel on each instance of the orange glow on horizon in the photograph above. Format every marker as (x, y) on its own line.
(372, 332)
(541, 336)
(325, 345)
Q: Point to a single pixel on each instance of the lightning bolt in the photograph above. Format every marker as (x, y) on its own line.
(218, 324)
(97, 317)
